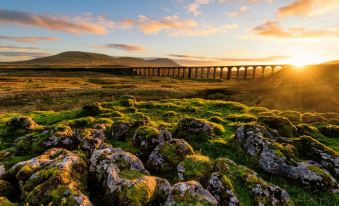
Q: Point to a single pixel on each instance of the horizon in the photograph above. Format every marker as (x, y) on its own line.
(190, 32)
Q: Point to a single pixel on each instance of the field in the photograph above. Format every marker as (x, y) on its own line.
(313, 90)
(272, 141)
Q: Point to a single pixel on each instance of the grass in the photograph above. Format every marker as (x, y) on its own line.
(60, 90)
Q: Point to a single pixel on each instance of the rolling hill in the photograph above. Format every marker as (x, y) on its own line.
(332, 62)
(86, 59)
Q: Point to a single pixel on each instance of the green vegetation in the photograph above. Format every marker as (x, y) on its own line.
(221, 119)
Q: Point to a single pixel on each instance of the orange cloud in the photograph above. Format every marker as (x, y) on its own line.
(125, 47)
(28, 39)
(195, 6)
(308, 8)
(273, 29)
(237, 13)
(75, 25)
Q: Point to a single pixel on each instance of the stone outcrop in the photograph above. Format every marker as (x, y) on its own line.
(190, 193)
(54, 177)
(221, 188)
(167, 155)
(275, 160)
(147, 138)
(123, 179)
(23, 123)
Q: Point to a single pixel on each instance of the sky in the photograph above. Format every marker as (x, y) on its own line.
(192, 32)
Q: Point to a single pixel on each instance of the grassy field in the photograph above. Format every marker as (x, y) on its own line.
(166, 113)
(307, 90)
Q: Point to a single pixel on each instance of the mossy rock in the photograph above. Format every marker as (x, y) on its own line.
(167, 155)
(293, 116)
(310, 118)
(195, 130)
(127, 101)
(83, 122)
(5, 202)
(93, 110)
(195, 167)
(21, 123)
(330, 115)
(328, 130)
(171, 114)
(257, 110)
(241, 118)
(306, 129)
(190, 193)
(281, 124)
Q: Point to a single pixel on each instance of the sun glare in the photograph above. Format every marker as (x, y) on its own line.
(301, 59)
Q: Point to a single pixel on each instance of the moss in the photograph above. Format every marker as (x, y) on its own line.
(312, 118)
(293, 116)
(197, 167)
(139, 192)
(306, 129)
(216, 119)
(170, 114)
(93, 110)
(257, 110)
(279, 153)
(130, 174)
(127, 101)
(328, 130)
(218, 129)
(241, 118)
(82, 122)
(281, 124)
(147, 132)
(5, 202)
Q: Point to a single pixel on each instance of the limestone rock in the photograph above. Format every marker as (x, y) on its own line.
(274, 160)
(190, 193)
(124, 180)
(195, 126)
(24, 123)
(55, 176)
(281, 124)
(221, 188)
(147, 138)
(167, 155)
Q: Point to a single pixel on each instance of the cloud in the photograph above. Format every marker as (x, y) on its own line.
(28, 39)
(194, 7)
(174, 26)
(23, 54)
(125, 47)
(200, 60)
(242, 9)
(150, 26)
(308, 8)
(273, 29)
(77, 25)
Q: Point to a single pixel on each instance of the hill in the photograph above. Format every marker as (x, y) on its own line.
(86, 59)
(332, 62)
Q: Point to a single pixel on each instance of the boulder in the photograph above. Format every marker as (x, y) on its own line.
(21, 123)
(281, 124)
(90, 139)
(312, 118)
(195, 126)
(274, 159)
(195, 167)
(61, 136)
(127, 101)
(55, 177)
(222, 189)
(124, 129)
(167, 155)
(311, 149)
(293, 116)
(123, 179)
(147, 138)
(190, 193)
(264, 193)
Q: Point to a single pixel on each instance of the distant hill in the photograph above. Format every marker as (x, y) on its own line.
(86, 59)
(332, 62)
